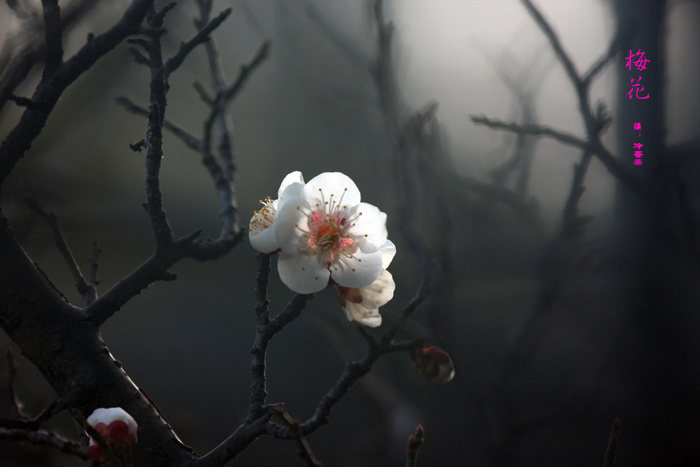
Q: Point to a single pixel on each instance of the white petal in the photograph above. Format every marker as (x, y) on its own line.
(355, 311)
(379, 292)
(369, 227)
(388, 251)
(302, 273)
(343, 190)
(291, 226)
(264, 241)
(292, 191)
(359, 270)
(294, 177)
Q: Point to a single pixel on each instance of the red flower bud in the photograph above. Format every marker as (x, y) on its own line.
(433, 363)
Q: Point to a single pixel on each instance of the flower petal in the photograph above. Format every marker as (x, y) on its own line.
(291, 225)
(369, 227)
(332, 187)
(264, 241)
(358, 270)
(379, 292)
(302, 273)
(294, 177)
(388, 251)
(356, 312)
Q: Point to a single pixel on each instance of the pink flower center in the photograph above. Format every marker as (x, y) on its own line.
(328, 235)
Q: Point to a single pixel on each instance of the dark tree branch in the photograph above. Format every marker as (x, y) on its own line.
(154, 135)
(34, 423)
(153, 270)
(534, 130)
(237, 442)
(8, 400)
(246, 69)
(356, 370)
(50, 89)
(201, 37)
(524, 210)
(613, 439)
(190, 140)
(32, 51)
(594, 146)
(303, 448)
(54, 37)
(87, 291)
(139, 58)
(92, 280)
(215, 68)
(258, 393)
(602, 62)
(555, 43)
(44, 438)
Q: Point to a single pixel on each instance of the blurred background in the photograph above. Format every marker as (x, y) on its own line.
(558, 321)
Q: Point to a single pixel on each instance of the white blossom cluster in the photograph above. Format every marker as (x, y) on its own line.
(326, 236)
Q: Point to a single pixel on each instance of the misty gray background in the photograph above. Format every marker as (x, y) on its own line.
(310, 107)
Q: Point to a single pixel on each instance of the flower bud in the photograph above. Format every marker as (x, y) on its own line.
(433, 363)
(117, 428)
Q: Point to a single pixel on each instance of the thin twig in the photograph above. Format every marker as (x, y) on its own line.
(237, 442)
(304, 450)
(189, 139)
(201, 37)
(84, 289)
(613, 439)
(247, 68)
(357, 369)
(45, 438)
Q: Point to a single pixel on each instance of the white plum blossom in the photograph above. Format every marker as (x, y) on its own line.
(362, 304)
(328, 233)
(262, 232)
(117, 428)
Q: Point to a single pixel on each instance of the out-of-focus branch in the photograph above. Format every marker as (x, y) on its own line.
(613, 439)
(502, 194)
(189, 139)
(594, 146)
(534, 130)
(86, 290)
(246, 69)
(51, 87)
(15, 69)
